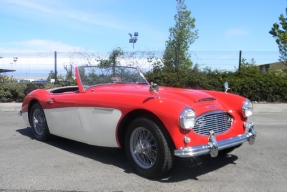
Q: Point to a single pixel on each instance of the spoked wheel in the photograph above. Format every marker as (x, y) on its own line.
(38, 123)
(147, 148)
(143, 147)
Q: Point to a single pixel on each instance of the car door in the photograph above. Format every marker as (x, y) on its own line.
(62, 116)
(98, 120)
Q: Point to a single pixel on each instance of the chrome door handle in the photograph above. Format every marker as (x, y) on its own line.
(50, 101)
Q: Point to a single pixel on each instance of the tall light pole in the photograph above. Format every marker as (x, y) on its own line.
(15, 59)
(133, 39)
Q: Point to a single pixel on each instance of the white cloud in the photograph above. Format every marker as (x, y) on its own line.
(47, 45)
(235, 32)
(35, 45)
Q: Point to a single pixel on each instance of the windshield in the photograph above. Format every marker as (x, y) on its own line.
(95, 75)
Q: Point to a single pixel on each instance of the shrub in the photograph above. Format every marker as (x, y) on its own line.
(16, 92)
(249, 82)
(12, 91)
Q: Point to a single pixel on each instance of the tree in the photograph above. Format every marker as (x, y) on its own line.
(104, 63)
(69, 72)
(280, 35)
(51, 76)
(116, 53)
(249, 67)
(112, 61)
(182, 35)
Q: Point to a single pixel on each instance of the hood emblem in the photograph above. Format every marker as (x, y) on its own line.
(200, 122)
(230, 120)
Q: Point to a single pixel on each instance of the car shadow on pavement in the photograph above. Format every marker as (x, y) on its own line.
(26, 132)
(183, 169)
(192, 168)
(106, 155)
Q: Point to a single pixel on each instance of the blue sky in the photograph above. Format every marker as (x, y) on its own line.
(101, 26)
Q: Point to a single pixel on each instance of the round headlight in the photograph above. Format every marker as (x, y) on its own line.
(247, 108)
(187, 118)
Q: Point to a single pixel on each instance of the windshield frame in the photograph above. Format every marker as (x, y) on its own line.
(91, 76)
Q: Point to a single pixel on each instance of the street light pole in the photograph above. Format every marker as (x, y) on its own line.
(133, 38)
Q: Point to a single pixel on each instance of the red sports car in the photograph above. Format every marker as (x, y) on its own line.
(118, 107)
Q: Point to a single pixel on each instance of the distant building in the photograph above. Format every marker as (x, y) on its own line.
(276, 66)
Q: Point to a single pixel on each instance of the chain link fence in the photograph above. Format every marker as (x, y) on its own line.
(38, 65)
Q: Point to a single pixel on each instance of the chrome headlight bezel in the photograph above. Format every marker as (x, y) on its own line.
(187, 118)
(247, 108)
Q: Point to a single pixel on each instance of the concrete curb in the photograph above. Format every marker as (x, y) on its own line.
(270, 108)
(257, 108)
(10, 107)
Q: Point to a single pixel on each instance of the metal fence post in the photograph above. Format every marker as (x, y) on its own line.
(239, 66)
(55, 62)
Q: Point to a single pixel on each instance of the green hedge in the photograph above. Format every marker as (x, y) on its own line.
(265, 87)
(249, 82)
(12, 91)
(16, 92)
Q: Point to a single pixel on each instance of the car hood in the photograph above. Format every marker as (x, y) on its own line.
(178, 94)
(201, 101)
(190, 94)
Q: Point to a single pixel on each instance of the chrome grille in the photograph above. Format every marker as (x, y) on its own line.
(218, 122)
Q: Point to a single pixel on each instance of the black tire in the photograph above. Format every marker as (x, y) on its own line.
(147, 148)
(38, 123)
(228, 150)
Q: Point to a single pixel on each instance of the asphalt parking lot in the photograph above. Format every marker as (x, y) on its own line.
(65, 165)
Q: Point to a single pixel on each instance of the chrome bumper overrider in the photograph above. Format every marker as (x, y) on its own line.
(212, 147)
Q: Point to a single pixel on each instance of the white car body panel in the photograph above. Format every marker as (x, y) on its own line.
(99, 125)
(91, 125)
(65, 122)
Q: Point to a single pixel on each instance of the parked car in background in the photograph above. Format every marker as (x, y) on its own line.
(118, 107)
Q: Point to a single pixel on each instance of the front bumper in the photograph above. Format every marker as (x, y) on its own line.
(25, 117)
(212, 147)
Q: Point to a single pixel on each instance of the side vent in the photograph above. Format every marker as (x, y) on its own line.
(206, 99)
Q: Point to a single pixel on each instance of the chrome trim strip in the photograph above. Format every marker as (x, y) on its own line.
(213, 146)
(211, 113)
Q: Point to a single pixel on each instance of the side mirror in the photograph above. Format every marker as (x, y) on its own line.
(153, 87)
(226, 87)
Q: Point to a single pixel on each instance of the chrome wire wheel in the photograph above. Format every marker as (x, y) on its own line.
(147, 148)
(143, 148)
(39, 121)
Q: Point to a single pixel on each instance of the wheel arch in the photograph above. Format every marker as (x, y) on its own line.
(31, 103)
(128, 118)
